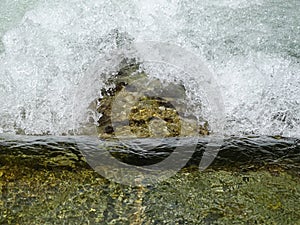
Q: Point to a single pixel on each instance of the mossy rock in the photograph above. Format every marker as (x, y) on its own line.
(135, 106)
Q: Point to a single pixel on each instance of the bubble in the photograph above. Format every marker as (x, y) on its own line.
(157, 58)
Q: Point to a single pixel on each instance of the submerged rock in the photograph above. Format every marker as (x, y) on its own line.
(136, 106)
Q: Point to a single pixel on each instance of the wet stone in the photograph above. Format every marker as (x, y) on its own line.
(140, 107)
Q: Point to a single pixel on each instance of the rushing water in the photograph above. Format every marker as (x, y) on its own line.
(252, 48)
(56, 55)
(242, 152)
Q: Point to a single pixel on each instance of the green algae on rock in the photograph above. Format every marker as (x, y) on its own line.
(251, 182)
(129, 110)
(81, 196)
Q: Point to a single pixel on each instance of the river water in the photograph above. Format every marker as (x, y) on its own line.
(49, 52)
(251, 49)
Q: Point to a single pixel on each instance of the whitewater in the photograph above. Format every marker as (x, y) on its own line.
(252, 50)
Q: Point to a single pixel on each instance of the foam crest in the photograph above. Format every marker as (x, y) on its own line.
(251, 47)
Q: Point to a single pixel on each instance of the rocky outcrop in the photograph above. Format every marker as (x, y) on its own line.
(135, 106)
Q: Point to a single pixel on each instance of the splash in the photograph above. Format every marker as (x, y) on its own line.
(252, 48)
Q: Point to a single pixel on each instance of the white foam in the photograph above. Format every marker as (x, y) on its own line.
(48, 53)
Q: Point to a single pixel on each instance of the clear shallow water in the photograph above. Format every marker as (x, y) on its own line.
(46, 180)
(252, 48)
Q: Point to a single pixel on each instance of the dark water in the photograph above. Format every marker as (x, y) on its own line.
(234, 151)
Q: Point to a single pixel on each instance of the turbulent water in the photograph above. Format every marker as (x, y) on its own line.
(251, 47)
(235, 152)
